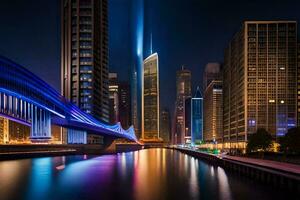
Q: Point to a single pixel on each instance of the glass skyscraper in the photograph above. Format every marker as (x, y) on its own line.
(150, 98)
(197, 118)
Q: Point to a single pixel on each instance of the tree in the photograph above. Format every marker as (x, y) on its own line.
(290, 143)
(259, 141)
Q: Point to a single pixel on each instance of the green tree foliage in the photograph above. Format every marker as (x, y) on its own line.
(290, 143)
(261, 140)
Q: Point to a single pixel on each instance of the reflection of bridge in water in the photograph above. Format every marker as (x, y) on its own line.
(27, 99)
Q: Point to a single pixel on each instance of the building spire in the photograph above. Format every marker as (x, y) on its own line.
(151, 43)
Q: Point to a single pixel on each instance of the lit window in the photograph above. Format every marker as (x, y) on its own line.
(281, 101)
(271, 101)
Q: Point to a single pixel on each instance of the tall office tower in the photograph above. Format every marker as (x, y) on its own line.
(84, 55)
(213, 112)
(183, 91)
(298, 84)
(212, 72)
(124, 105)
(150, 98)
(165, 126)
(113, 89)
(187, 119)
(134, 102)
(260, 81)
(197, 118)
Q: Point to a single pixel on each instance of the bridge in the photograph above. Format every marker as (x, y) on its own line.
(29, 100)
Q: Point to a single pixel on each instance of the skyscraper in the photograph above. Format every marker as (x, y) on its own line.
(298, 84)
(212, 72)
(165, 126)
(137, 38)
(113, 98)
(197, 118)
(260, 81)
(134, 101)
(84, 55)
(183, 91)
(187, 119)
(213, 112)
(150, 98)
(124, 105)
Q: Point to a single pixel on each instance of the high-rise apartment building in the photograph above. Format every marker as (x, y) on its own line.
(183, 91)
(125, 105)
(165, 126)
(213, 112)
(150, 98)
(260, 81)
(212, 72)
(113, 89)
(84, 55)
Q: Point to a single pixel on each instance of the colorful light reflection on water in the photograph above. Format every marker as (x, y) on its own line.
(142, 175)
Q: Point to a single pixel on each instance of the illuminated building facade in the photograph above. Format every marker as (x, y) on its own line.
(84, 55)
(197, 118)
(165, 126)
(113, 98)
(150, 98)
(125, 104)
(213, 112)
(260, 81)
(4, 130)
(183, 91)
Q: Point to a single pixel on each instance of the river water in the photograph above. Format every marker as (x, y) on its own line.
(142, 175)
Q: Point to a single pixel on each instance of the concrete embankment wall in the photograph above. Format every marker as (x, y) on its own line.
(279, 178)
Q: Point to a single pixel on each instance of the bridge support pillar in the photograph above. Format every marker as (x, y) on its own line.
(40, 124)
(76, 136)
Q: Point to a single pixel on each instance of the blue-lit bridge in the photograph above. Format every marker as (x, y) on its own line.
(27, 99)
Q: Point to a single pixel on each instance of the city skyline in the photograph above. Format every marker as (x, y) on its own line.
(150, 99)
(220, 31)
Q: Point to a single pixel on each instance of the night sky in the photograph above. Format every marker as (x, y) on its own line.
(189, 32)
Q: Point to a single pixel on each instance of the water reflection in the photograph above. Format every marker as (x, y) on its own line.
(141, 175)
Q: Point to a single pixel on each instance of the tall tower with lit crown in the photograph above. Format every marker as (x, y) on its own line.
(150, 99)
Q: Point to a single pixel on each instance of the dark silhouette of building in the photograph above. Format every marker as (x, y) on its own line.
(187, 119)
(113, 89)
(165, 126)
(212, 72)
(183, 91)
(125, 104)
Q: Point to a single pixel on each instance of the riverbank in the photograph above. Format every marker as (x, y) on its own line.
(279, 174)
(11, 152)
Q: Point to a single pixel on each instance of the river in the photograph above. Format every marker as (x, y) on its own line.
(148, 174)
